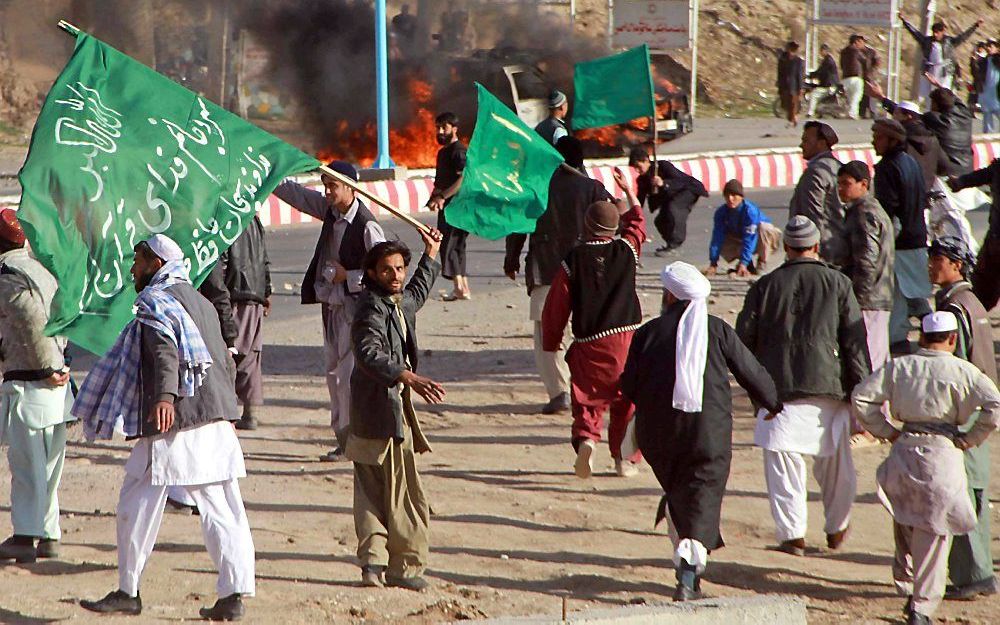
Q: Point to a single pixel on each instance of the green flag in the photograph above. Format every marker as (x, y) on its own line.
(505, 188)
(119, 153)
(613, 90)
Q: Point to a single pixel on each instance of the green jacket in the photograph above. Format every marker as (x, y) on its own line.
(803, 323)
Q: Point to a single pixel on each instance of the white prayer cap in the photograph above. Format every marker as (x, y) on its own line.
(940, 321)
(685, 281)
(909, 107)
(165, 248)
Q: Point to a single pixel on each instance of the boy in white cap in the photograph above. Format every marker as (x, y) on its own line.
(923, 481)
(167, 383)
(677, 374)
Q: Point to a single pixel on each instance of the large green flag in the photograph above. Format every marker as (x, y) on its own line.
(505, 188)
(613, 90)
(119, 153)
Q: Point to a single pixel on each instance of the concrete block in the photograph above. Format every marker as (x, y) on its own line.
(755, 610)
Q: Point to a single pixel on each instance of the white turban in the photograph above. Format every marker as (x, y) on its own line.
(165, 248)
(685, 282)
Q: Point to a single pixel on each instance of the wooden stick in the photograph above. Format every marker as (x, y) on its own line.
(374, 198)
(565, 608)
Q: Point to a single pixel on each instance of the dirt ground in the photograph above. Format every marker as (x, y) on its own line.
(513, 530)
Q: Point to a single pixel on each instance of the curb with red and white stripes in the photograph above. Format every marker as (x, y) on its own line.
(773, 168)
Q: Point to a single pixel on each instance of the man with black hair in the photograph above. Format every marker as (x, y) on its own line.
(852, 69)
(669, 191)
(815, 194)
(791, 81)
(970, 565)
(447, 181)
(827, 79)
(557, 231)
(333, 278)
(938, 49)
(391, 512)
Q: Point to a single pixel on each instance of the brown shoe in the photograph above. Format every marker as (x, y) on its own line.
(835, 540)
(796, 547)
(372, 576)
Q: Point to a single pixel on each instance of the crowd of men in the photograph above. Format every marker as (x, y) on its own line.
(821, 344)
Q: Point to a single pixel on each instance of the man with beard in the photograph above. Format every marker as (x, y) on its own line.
(557, 231)
(333, 279)
(391, 512)
(677, 375)
(970, 565)
(815, 194)
(669, 191)
(447, 181)
(168, 384)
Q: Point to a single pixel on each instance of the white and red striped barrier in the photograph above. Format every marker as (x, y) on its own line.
(773, 168)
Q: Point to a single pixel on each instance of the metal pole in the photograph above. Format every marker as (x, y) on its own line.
(383, 160)
(926, 18)
(611, 23)
(693, 37)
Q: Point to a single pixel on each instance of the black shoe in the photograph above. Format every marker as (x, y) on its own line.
(17, 548)
(47, 548)
(916, 618)
(683, 593)
(225, 609)
(175, 507)
(115, 602)
(247, 423)
(409, 583)
(969, 592)
(334, 455)
(557, 405)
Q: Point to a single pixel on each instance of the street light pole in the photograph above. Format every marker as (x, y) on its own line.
(383, 160)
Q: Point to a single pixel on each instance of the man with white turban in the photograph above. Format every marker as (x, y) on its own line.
(167, 384)
(677, 374)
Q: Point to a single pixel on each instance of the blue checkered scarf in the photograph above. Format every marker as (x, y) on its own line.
(109, 400)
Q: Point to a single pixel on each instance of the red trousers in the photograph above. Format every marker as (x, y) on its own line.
(595, 368)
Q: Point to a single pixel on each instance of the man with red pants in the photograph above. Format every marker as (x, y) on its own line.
(596, 284)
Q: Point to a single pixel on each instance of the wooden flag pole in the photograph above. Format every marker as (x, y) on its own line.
(374, 198)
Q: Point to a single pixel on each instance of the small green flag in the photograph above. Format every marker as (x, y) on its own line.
(119, 153)
(505, 188)
(613, 90)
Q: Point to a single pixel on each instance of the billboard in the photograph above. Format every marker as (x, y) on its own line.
(857, 12)
(660, 24)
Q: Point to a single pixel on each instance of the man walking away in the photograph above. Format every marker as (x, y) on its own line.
(553, 128)
(167, 383)
(815, 194)
(34, 398)
(741, 231)
(827, 80)
(677, 374)
(669, 191)
(870, 259)
(391, 512)
(791, 81)
(923, 482)
(557, 232)
(246, 270)
(986, 276)
(852, 68)
(333, 279)
(899, 188)
(970, 565)
(803, 324)
(447, 182)
(596, 286)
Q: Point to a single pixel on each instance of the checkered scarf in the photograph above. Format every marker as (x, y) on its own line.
(109, 400)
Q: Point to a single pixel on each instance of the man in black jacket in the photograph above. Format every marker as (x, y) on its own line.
(938, 49)
(986, 275)
(827, 79)
(391, 512)
(791, 81)
(803, 323)
(899, 188)
(669, 191)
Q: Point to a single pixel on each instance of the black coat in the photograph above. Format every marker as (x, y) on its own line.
(382, 355)
(675, 182)
(214, 289)
(989, 175)
(791, 73)
(690, 453)
(899, 188)
(953, 130)
(558, 229)
(948, 44)
(246, 266)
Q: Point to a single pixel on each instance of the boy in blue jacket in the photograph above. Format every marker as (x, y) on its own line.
(741, 230)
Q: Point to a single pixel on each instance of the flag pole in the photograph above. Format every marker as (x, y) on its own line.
(69, 28)
(374, 198)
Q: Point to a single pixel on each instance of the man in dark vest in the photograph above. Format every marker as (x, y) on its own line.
(596, 285)
(970, 565)
(558, 230)
(447, 181)
(333, 278)
(553, 128)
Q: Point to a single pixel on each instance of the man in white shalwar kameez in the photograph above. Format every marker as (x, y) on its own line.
(923, 481)
(167, 382)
